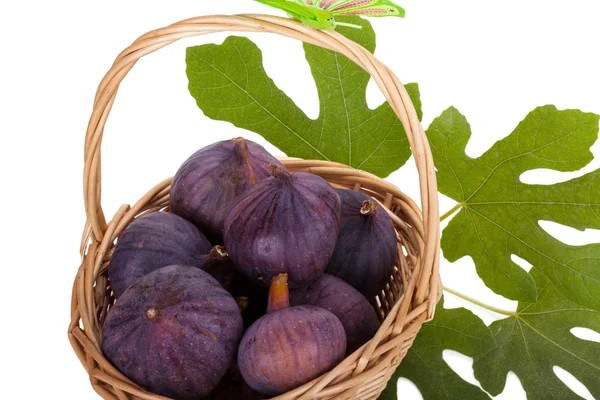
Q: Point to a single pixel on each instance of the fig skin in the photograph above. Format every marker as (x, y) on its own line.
(174, 332)
(209, 181)
(251, 297)
(366, 249)
(284, 224)
(152, 242)
(218, 264)
(290, 345)
(352, 309)
(233, 387)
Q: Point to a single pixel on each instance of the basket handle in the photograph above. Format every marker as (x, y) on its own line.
(388, 83)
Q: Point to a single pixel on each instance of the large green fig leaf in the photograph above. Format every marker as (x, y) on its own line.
(230, 84)
(457, 329)
(536, 339)
(500, 215)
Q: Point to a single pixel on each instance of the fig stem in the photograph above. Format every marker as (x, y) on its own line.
(240, 147)
(220, 251)
(242, 302)
(368, 207)
(279, 173)
(218, 260)
(279, 294)
(151, 313)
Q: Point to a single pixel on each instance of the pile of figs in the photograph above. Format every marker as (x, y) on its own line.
(255, 281)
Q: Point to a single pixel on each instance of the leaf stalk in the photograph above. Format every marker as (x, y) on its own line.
(451, 211)
(479, 303)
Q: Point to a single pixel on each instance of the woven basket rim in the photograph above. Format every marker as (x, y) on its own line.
(369, 372)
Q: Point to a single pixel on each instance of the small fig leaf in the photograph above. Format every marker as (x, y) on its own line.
(500, 215)
(456, 329)
(230, 84)
(536, 339)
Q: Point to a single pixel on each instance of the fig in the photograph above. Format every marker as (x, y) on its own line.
(174, 332)
(251, 297)
(233, 387)
(290, 345)
(365, 253)
(284, 224)
(212, 178)
(352, 308)
(218, 264)
(152, 242)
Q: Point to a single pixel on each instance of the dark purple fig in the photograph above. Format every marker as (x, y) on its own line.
(290, 345)
(366, 249)
(251, 297)
(152, 242)
(218, 264)
(232, 390)
(352, 308)
(174, 332)
(212, 178)
(284, 224)
(233, 387)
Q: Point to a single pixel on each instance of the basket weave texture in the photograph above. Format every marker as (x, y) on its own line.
(407, 302)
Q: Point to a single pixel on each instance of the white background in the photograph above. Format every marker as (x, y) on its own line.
(494, 61)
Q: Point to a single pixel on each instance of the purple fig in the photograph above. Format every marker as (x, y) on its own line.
(212, 178)
(152, 242)
(290, 345)
(174, 332)
(233, 387)
(284, 224)
(251, 297)
(352, 308)
(366, 249)
(218, 264)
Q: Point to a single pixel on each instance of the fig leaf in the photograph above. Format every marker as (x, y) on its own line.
(536, 339)
(499, 215)
(230, 84)
(455, 329)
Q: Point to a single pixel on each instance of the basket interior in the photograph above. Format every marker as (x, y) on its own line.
(406, 219)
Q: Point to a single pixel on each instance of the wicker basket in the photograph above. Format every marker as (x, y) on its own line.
(408, 301)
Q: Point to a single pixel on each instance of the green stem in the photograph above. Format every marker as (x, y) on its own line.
(480, 304)
(347, 25)
(451, 211)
